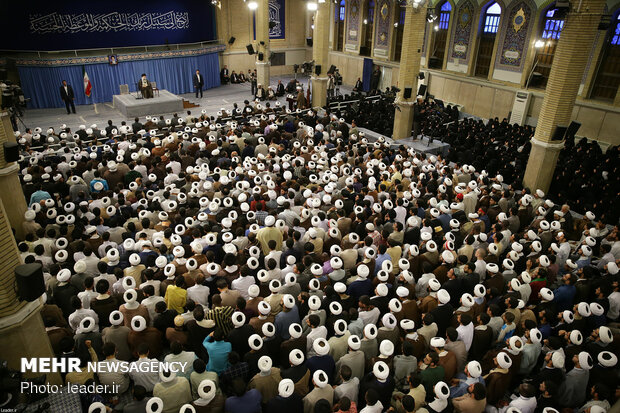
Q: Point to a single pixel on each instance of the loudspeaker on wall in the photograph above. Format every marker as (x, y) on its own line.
(29, 280)
(11, 152)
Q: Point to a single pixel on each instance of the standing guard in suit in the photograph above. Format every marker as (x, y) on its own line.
(66, 94)
(199, 82)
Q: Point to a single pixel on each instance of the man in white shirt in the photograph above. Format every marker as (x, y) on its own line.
(606, 258)
(368, 313)
(562, 250)
(481, 265)
(199, 293)
(80, 313)
(614, 303)
(88, 294)
(111, 376)
(146, 379)
(465, 330)
(179, 356)
(243, 283)
(401, 212)
(150, 302)
(349, 387)
(373, 405)
(316, 331)
(526, 401)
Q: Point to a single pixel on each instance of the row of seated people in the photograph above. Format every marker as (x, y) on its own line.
(233, 77)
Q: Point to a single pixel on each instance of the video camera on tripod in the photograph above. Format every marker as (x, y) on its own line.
(337, 78)
(307, 67)
(13, 101)
(13, 96)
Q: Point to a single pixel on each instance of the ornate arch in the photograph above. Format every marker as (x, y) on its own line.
(516, 30)
(463, 30)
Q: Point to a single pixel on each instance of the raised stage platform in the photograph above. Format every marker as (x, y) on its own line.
(420, 145)
(163, 102)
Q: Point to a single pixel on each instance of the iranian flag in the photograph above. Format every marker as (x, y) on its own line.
(88, 87)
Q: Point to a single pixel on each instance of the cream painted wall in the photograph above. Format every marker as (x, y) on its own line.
(234, 19)
(351, 67)
(493, 98)
(489, 100)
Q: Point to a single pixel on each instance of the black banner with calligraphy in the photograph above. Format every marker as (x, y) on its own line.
(67, 25)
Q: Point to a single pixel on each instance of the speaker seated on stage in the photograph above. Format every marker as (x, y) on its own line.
(145, 87)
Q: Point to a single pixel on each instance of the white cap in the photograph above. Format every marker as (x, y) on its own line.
(88, 324)
(138, 323)
(370, 331)
(238, 319)
(264, 308)
(265, 364)
(557, 359)
(320, 378)
(288, 300)
(354, 342)
(255, 342)
(389, 321)
(286, 388)
(167, 376)
(585, 360)
(386, 348)
(607, 359)
(442, 391)
(474, 368)
(116, 318)
(63, 275)
(438, 342)
(320, 346)
(443, 296)
(295, 330)
(605, 334)
(576, 337)
(269, 329)
(207, 389)
(381, 370)
(503, 360)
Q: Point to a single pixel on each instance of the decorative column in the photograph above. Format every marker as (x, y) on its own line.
(22, 333)
(567, 70)
(427, 43)
(320, 51)
(592, 66)
(413, 36)
(262, 40)
(10, 186)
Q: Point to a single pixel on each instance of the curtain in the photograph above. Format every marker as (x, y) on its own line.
(42, 84)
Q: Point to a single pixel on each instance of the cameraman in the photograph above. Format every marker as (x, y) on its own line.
(419, 114)
(331, 86)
